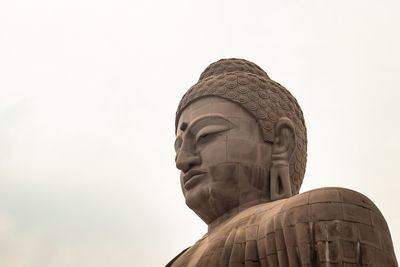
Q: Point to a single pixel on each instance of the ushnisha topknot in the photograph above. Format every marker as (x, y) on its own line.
(246, 84)
(232, 65)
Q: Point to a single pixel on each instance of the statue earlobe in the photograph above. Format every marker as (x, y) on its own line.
(282, 149)
(280, 181)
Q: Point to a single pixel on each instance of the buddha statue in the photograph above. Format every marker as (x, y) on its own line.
(241, 148)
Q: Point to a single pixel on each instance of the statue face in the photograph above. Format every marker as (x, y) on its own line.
(223, 158)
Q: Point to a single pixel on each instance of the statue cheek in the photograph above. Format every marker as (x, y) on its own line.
(213, 153)
(225, 174)
(242, 150)
(264, 152)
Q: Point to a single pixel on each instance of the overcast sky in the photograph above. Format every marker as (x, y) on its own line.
(88, 93)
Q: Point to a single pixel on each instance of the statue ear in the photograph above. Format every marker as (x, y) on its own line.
(282, 150)
(284, 141)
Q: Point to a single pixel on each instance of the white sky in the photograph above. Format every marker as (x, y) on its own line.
(88, 92)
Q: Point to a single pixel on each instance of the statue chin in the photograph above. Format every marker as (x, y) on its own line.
(226, 187)
(209, 203)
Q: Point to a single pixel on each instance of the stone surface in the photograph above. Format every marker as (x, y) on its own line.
(241, 147)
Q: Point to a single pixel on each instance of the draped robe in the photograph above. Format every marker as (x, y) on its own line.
(323, 227)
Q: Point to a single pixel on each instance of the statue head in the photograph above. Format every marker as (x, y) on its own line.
(241, 140)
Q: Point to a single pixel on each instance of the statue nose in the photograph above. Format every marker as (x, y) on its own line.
(186, 160)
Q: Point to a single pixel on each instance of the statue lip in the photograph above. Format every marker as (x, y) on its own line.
(190, 174)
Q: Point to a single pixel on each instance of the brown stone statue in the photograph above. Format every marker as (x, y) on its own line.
(241, 147)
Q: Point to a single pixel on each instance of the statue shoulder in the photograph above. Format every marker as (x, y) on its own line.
(334, 204)
(334, 197)
(323, 204)
(335, 225)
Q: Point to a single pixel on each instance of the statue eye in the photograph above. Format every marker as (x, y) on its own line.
(203, 136)
(210, 130)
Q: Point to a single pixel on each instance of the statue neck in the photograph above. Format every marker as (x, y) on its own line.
(231, 213)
